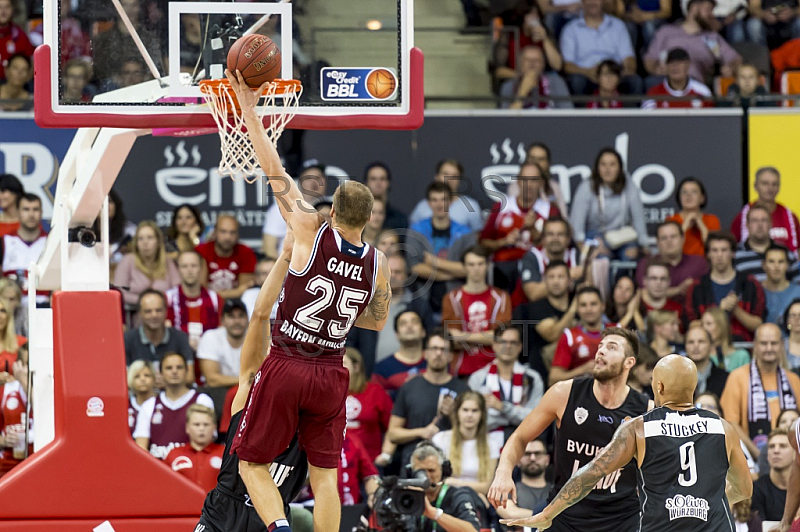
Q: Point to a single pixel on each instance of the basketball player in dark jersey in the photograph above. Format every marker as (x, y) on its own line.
(227, 507)
(334, 282)
(690, 461)
(587, 411)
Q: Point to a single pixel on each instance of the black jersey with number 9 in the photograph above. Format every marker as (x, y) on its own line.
(682, 476)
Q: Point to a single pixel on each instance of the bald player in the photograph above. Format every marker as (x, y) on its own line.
(690, 462)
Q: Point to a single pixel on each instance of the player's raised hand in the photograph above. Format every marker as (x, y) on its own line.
(501, 490)
(539, 521)
(247, 97)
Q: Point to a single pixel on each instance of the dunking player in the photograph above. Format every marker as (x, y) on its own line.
(690, 462)
(334, 282)
(227, 507)
(587, 411)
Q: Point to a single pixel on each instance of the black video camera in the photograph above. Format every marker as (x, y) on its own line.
(400, 502)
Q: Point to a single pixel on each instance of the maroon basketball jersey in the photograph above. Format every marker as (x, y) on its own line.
(318, 306)
(168, 427)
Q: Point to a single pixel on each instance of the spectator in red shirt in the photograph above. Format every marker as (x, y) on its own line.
(13, 39)
(199, 461)
(369, 408)
(679, 85)
(355, 469)
(190, 306)
(656, 284)
(231, 265)
(784, 221)
(577, 346)
(472, 313)
(696, 224)
(13, 405)
(516, 223)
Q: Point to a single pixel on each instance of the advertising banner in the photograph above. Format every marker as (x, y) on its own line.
(774, 137)
(659, 149)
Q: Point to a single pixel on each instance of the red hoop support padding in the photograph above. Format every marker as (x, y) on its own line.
(203, 123)
(93, 471)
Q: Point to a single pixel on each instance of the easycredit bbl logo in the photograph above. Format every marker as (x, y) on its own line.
(358, 84)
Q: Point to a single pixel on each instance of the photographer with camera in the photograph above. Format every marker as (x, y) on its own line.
(401, 505)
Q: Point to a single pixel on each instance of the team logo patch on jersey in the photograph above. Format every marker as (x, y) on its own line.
(216, 462)
(12, 403)
(581, 415)
(681, 506)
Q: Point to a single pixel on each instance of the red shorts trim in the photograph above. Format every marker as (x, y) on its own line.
(295, 394)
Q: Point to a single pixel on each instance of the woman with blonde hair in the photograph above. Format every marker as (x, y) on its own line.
(10, 341)
(663, 332)
(471, 449)
(10, 290)
(715, 321)
(148, 266)
(141, 387)
(368, 410)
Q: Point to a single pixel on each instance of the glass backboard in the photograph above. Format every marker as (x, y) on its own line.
(137, 63)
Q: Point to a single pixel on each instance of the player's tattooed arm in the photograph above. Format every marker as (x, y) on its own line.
(616, 454)
(377, 312)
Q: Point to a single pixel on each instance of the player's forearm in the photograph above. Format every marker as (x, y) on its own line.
(575, 489)
(512, 511)
(792, 495)
(267, 155)
(512, 451)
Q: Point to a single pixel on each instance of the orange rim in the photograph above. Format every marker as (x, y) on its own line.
(212, 86)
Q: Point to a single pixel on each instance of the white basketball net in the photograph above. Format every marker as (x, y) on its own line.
(279, 101)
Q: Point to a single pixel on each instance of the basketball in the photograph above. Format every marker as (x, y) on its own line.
(380, 83)
(257, 57)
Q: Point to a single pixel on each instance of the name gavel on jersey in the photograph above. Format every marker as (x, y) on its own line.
(306, 318)
(608, 482)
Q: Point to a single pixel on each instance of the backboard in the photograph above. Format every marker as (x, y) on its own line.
(144, 59)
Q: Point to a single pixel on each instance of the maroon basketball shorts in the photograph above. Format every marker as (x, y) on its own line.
(295, 394)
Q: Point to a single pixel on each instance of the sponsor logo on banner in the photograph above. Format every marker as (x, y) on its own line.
(581, 415)
(681, 506)
(358, 84)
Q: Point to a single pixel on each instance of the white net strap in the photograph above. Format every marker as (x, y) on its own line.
(239, 159)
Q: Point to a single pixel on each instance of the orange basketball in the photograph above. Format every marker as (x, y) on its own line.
(381, 83)
(257, 57)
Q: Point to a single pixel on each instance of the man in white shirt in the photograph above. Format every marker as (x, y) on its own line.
(19, 249)
(220, 349)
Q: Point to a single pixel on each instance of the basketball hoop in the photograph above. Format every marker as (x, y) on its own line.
(279, 100)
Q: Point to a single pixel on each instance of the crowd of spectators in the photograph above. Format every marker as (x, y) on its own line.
(489, 310)
(665, 53)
